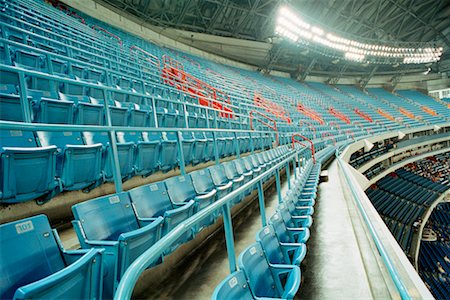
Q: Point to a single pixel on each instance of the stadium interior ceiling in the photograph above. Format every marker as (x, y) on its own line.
(243, 30)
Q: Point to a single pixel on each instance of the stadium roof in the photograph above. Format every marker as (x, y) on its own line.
(244, 30)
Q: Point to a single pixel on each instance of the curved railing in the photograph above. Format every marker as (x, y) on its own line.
(131, 276)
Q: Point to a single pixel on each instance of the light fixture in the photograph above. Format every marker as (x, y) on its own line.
(293, 27)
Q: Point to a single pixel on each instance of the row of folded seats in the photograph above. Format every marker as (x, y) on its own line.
(120, 227)
(57, 161)
(270, 268)
(55, 102)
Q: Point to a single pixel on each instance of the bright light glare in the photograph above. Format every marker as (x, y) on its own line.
(294, 28)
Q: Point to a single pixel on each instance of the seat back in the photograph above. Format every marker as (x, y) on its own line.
(202, 181)
(280, 228)
(180, 188)
(257, 270)
(17, 138)
(269, 242)
(234, 286)
(59, 139)
(105, 218)
(150, 201)
(218, 175)
(29, 253)
(230, 170)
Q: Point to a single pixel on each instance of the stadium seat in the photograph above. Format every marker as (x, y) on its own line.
(125, 151)
(110, 223)
(220, 180)
(234, 286)
(34, 264)
(20, 155)
(152, 201)
(181, 190)
(280, 253)
(298, 218)
(78, 166)
(268, 280)
(288, 234)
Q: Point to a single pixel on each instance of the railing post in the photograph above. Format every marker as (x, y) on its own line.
(229, 239)
(25, 104)
(216, 148)
(252, 144)
(288, 174)
(112, 142)
(236, 145)
(262, 207)
(186, 123)
(181, 153)
(155, 116)
(278, 184)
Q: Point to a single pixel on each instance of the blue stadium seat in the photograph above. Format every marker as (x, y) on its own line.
(181, 190)
(110, 223)
(280, 253)
(233, 287)
(152, 201)
(147, 153)
(188, 142)
(268, 280)
(168, 155)
(20, 155)
(78, 166)
(125, 152)
(288, 234)
(86, 113)
(298, 218)
(220, 180)
(198, 153)
(10, 105)
(34, 264)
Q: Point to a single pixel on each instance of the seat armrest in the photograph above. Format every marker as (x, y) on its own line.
(226, 186)
(292, 283)
(240, 179)
(206, 196)
(142, 231)
(92, 257)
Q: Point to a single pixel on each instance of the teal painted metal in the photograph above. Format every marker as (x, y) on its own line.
(288, 174)
(24, 103)
(181, 161)
(130, 277)
(155, 116)
(236, 145)
(278, 185)
(384, 255)
(216, 148)
(229, 238)
(262, 205)
(113, 143)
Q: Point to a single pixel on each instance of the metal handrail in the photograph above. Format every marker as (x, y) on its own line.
(131, 275)
(119, 40)
(383, 253)
(306, 139)
(273, 127)
(328, 134)
(155, 60)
